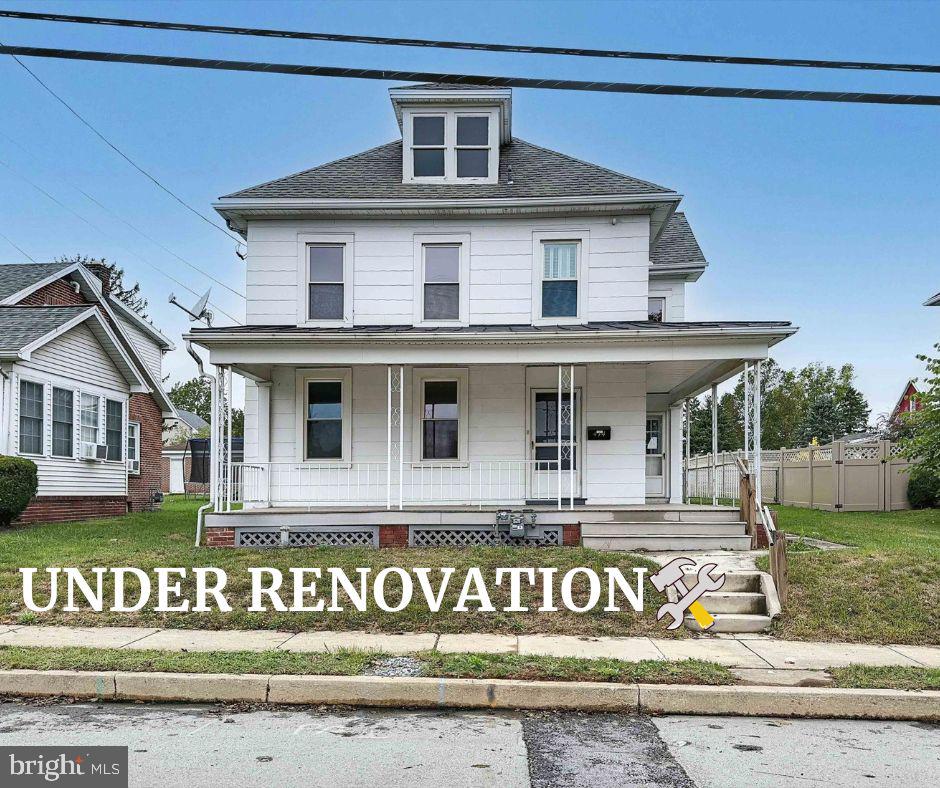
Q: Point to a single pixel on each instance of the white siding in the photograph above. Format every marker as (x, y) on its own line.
(614, 395)
(73, 361)
(673, 290)
(501, 267)
(149, 350)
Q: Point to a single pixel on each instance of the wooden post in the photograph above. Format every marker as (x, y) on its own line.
(778, 564)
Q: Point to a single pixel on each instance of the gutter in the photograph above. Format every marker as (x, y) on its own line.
(214, 383)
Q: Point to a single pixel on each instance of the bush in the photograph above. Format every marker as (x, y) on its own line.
(18, 483)
(923, 488)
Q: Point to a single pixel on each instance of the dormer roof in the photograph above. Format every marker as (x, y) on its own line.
(431, 94)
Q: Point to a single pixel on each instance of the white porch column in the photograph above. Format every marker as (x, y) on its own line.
(747, 414)
(558, 438)
(757, 448)
(686, 478)
(396, 433)
(215, 416)
(264, 439)
(675, 454)
(229, 478)
(714, 444)
(566, 419)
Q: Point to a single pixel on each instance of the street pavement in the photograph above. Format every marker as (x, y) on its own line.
(201, 746)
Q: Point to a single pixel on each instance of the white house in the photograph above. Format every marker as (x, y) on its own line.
(460, 318)
(80, 391)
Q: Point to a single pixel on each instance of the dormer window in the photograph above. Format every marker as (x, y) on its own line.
(451, 146)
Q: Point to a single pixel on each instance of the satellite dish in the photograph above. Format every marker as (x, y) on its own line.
(198, 313)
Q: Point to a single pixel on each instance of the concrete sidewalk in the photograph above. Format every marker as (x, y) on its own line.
(733, 651)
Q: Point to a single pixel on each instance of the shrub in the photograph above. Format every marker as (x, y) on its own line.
(923, 488)
(18, 483)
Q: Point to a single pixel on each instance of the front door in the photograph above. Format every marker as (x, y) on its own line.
(543, 445)
(655, 456)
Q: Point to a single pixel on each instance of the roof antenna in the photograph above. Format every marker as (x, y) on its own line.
(198, 313)
(241, 255)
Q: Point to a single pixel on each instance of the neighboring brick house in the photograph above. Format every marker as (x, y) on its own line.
(80, 391)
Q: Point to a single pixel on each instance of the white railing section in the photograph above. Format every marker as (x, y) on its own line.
(486, 482)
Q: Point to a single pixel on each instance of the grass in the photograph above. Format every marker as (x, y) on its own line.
(354, 663)
(164, 539)
(887, 590)
(878, 677)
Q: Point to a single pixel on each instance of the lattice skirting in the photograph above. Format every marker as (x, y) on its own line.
(481, 536)
(308, 536)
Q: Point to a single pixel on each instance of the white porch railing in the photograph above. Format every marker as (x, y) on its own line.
(487, 482)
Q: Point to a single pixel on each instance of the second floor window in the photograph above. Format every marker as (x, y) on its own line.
(451, 146)
(325, 284)
(427, 146)
(656, 310)
(560, 279)
(441, 282)
(32, 403)
(473, 152)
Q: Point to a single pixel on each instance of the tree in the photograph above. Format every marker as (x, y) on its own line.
(920, 439)
(196, 396)
(129, 296)
(820, 422)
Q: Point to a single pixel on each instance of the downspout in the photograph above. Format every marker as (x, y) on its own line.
(213, 382)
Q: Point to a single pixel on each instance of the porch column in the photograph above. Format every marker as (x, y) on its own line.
(675, 454)
(686, 477)
(747, 415)
(229, 479)
(566, 418)
(214, 418)
(264, 439)
(757, 448)
(714, 444)
(396, 432)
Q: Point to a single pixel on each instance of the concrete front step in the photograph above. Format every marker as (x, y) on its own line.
(716, 602)
(660, 543)
(732, 622)
(735, 582)
(662, 528)
(675, 515)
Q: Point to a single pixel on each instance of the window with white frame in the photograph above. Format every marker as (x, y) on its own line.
(90, 427)
(325, 281)
(440, 420)
(32, 408)
(114, 429)
(441, 297)
(63, 422)
(560, 261)
(451, 146)
(656, 309)
(133, 447)
(324, 420)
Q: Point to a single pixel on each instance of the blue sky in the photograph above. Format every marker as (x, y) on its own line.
(825, 215)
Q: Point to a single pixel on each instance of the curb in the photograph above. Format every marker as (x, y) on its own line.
(875, 704)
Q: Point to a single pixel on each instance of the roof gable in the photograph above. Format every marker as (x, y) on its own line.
(525, 170)
(20, 278)
(677, 248)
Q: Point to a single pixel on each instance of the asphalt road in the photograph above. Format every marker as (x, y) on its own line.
(200, 746)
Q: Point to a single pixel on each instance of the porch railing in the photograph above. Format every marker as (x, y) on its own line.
(479, 482)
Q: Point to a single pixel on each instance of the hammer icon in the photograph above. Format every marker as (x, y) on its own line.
(671, 575)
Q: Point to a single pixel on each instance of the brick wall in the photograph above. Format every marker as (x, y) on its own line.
(393, 536)
(165, 474)
(55, 508)
(220, 537)
(571, 535)
(143, 408)
(57, 293)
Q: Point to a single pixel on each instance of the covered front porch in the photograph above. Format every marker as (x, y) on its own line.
(351, 420)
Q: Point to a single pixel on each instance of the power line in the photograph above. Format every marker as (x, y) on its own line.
(467, 45)
(475, 79)
(97, 229)
(19, 249)
(117, 150)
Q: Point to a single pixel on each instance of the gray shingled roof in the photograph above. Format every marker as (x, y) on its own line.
(677, 244)
(192, 420)
(376, 174)
(21, 325)
(15, 277)
(514, 328)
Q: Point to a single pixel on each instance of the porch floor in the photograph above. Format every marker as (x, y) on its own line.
(458, 508)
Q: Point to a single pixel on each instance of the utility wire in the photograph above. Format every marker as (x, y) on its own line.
(97, 229)
(136, 229)
(117, 150)
(18, 249)
(467, 45)
(475, 79)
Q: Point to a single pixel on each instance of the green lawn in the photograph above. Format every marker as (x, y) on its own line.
(886, 590)
(165, 539)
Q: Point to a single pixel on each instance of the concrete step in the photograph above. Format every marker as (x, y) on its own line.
(662, 528)
(660, 543)
(716, 602)
(732, 622)
(675, 515)
(735, 582)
